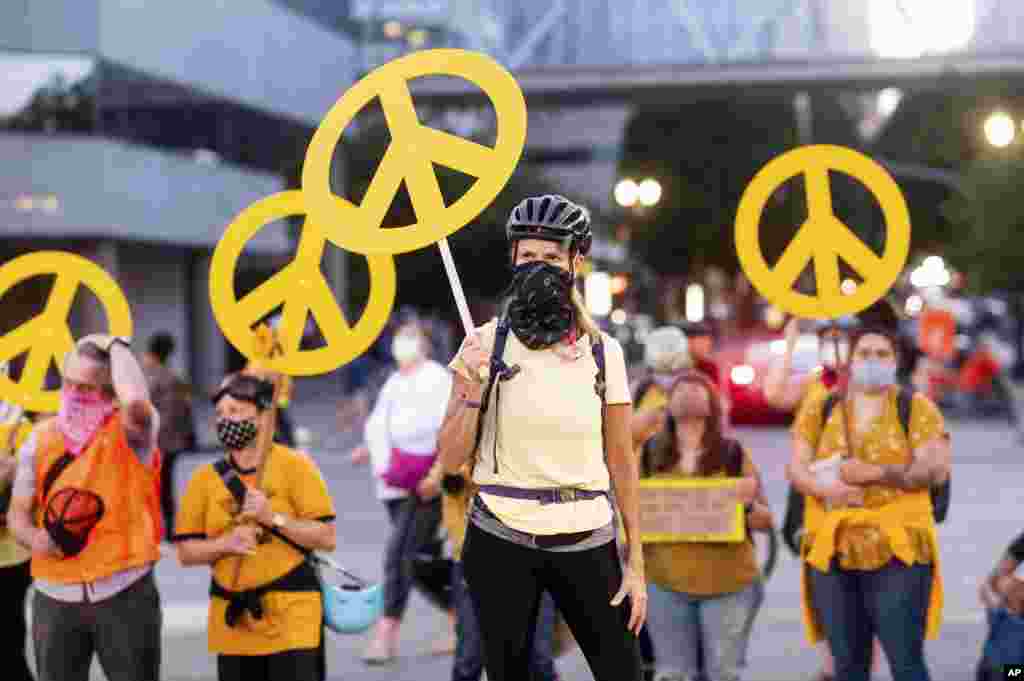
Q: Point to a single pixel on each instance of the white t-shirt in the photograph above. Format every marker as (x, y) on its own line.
(408, 415)
(548, 433)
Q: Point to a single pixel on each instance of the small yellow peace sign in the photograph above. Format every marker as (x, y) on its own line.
(47, 337)
(301, 288)
(823, 238)
(411, 153)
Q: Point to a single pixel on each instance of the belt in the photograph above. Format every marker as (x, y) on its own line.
(549, 495)
(302, 578)
(543, 541)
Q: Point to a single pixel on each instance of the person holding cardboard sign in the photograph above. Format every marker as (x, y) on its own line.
(554, 437)
(702, 592)
(870, 543)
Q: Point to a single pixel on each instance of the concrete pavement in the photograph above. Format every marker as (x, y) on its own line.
(983, 518)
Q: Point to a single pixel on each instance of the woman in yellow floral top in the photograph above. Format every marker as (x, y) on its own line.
(870, 543)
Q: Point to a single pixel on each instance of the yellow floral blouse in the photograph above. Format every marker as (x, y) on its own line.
(864, 547)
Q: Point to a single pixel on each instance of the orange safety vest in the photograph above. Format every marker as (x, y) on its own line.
(128, 534)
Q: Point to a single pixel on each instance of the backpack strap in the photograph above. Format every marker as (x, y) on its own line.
(904, 403)
(499, 371)
(601, 387)
(54, 472)
(734, 459)
(229, 476)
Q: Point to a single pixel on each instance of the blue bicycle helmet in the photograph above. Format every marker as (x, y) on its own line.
(552, 218)
(350, 608)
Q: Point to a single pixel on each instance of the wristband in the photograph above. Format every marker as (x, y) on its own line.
(472, 403)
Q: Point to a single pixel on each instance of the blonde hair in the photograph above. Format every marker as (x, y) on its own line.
(584, 322)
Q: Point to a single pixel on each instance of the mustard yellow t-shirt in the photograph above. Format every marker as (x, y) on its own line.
(291, 620)
(548, 433)
(864, 547)
(702, 568)
(11, 552)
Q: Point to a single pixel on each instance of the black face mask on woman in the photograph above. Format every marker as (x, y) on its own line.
(540, 306)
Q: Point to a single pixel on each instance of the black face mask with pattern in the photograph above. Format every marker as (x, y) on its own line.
(235, 435)
(540, 308)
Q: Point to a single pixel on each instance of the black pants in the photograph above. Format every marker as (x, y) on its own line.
(506, 581)
(414, 526)
(294, 665)
(123, 631)
(14, 583)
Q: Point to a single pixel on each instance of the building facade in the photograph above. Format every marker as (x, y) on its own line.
(132, 133)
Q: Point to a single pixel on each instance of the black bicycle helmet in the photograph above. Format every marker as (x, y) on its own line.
(552, 218)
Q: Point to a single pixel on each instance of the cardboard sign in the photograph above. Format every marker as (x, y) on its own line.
(697, 510)
(936, 330)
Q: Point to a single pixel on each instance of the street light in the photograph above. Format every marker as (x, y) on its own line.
(627, 192)
(649, 192)
(1000, 129)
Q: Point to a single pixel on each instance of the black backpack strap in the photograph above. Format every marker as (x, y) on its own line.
(601, 387)
(734, 459)
(499, 371)
(229, 476)
(904, 403)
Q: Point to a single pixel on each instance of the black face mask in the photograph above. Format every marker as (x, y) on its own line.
(540, 308)
(236, 434)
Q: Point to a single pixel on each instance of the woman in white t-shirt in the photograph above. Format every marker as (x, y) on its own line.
(405, 423)
(547, 454)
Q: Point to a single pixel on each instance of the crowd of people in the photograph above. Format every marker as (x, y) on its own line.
(526, 454)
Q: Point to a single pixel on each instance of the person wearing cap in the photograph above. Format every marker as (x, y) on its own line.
(870, 547)
(15, 568)
(554, 440)
(266, 615)
(97, 460)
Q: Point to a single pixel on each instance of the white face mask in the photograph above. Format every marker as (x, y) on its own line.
(406, 349)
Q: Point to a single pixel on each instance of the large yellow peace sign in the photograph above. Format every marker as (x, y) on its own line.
(301, 288)
(823, 238)
(47, 337)
(410, 155)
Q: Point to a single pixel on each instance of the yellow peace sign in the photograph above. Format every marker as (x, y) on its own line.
(301, 287)
(823, 238)
(410, 155)
(47, 337)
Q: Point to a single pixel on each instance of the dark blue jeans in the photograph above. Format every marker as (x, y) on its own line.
(853, 606)
(469, 650)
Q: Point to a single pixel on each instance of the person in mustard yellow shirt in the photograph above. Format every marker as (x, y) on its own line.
(701, 593)
(870, 545)
(554, 439)
(86, 501)
(267, 625)
(15, 571)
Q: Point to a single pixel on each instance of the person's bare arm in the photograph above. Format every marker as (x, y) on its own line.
(646, 424)
(132, 390)
(799, 474)
(779, 391)
(759, 518)
(625, 475)
(239, 542)
(931, 466)
(20, 520)
(458, 430)
(316, 535)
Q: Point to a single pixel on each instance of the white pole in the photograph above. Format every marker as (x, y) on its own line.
(460, 295)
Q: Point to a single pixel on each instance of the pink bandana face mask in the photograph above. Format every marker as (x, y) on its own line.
(81, 415)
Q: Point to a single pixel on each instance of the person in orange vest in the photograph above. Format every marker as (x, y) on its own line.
(86, 503)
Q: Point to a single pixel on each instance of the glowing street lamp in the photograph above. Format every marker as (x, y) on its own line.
(649, 192)
(1000, 129)
(627, 193)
